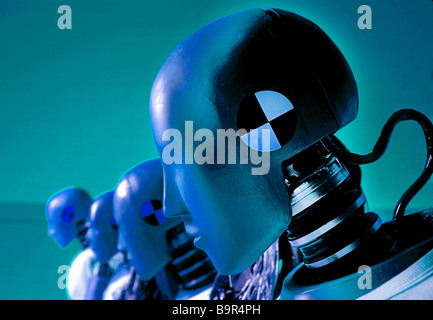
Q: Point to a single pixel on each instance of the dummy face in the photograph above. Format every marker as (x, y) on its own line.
(230, 75)
(63, 210)
(102, 231)
(138, 213)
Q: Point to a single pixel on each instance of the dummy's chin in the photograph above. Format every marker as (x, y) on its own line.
(229, 262)
(63, 242)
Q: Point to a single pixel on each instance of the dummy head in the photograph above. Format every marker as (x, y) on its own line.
(270, 72)
(138, 212)
(65, 211)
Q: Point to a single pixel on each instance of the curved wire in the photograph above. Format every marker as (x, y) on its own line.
(380, 147)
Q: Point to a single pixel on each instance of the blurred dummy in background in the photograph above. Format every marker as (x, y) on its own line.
(121, 262)
(103, 238)
(166, 265)
(67, 214)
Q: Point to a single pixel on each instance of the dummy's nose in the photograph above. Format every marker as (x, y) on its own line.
(90, 233)
(172, 204)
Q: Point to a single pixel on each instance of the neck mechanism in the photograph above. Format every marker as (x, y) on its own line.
(82, 227)
(190, 266)
(329, 223)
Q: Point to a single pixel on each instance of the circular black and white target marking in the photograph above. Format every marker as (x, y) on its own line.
(270, 119)
(151, 212)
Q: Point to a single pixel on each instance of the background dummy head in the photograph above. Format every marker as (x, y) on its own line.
(64, 210)
(138, 212)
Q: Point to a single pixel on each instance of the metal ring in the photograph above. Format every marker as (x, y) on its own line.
(328, 226)
(318, 185)
(347, 249)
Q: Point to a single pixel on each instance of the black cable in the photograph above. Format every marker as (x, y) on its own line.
(380, 147)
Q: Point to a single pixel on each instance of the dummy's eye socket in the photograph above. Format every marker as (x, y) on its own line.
(68, 214)
(151, 212)
(266, 112)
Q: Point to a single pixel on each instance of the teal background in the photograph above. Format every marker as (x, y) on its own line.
(74, 105)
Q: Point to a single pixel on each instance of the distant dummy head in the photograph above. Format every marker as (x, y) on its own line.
(138, 212)
(277, 81)
(103, 228)
(65, 211)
